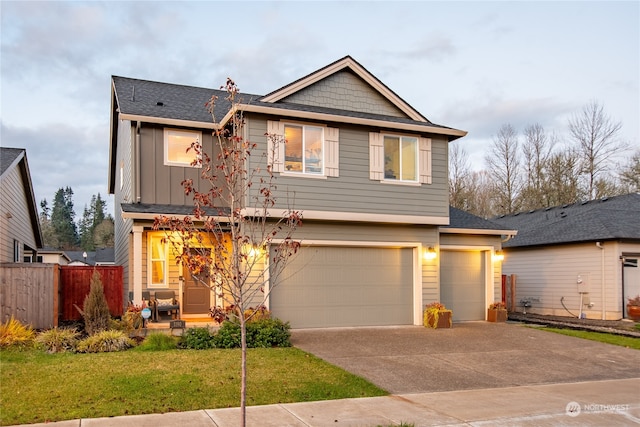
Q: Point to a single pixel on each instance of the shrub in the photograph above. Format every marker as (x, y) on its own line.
(228, 335)
(197, 338)
(105, 341)
(58, 340)
(95, 309)
(158, 341)
(260, 333)
(15, 334)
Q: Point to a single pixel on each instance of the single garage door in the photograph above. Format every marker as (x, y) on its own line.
(462, 284)
(346, 286)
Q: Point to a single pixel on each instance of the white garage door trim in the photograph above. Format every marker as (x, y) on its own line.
(417, 266)
(489, 254)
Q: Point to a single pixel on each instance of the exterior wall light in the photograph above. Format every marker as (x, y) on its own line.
(498, 256)
(430, 254)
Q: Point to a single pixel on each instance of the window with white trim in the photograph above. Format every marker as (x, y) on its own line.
(303, 149)
(399, 158)
(157, 271)
(177, 147)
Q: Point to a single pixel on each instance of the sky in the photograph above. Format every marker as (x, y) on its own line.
(471, 65)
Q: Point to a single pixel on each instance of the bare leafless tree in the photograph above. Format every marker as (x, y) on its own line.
(504, 167)
(596, 137)
(459, 177)
(629, 174)
(536, 151)
(563, 176)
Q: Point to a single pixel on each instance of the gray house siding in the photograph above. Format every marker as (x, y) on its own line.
(15, 219)
(161, 184)
(345, 91)
(123, 193)
(353, 191)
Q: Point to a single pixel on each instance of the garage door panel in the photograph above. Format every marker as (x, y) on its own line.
(462, 284)
(346, 286)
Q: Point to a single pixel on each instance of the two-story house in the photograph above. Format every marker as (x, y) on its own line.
(368, 172)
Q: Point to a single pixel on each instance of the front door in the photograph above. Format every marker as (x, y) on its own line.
(196, 296)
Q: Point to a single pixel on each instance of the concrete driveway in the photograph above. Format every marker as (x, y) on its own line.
(473, 355)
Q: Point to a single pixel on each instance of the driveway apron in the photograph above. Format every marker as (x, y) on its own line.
(471, 355)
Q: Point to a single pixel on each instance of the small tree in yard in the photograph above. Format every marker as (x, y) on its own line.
(95, 309)
(233, 242)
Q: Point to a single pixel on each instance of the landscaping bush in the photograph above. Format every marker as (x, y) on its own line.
(15, 334)
(267, 333)
(158, 341)
(228, 335)
(95, 310)
(58, 340)
(105, 341)
(260, 333)
(197, 338)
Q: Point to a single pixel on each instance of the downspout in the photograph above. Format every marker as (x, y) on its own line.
(136, 174)
(598, 244)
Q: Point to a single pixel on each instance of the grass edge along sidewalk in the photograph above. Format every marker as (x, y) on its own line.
(38, 387)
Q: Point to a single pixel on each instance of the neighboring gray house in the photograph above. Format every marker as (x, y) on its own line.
(20, 235)
(587, 251)
(370, 218)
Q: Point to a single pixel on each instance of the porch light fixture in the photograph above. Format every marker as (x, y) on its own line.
(498, 256)
(430, 254)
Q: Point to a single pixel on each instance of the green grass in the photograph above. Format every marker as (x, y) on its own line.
(37, 387)
(620, 340)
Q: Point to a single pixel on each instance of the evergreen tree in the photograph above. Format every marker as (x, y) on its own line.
(95, 309)
(49, 238)
(92, 217)
(62, 219)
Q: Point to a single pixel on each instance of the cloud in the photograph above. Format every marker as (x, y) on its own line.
(61, 156)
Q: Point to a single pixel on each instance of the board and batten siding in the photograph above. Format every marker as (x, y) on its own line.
(353, 191)
(161, 184)
(15, 218)
(546, 275)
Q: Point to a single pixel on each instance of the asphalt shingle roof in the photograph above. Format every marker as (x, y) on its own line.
(178, 102)
(462, 219)
(8, 156)
(610, 218)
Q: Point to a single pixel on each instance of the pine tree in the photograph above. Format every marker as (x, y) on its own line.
(95, 309)
(62, 219)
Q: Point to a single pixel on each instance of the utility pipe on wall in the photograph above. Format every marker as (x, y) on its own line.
(598, 244)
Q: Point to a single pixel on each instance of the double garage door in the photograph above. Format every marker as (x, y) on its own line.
(329, 286)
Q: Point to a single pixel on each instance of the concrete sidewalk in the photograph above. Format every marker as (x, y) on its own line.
(591, 403)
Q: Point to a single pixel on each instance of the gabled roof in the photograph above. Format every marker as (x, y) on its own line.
(612, 218)
(178, 105)
(17, 157)
(351, 64)
(461, 222)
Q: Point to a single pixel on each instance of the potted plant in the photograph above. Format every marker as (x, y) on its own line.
(436, 315)
(497, 312)
(633, 308)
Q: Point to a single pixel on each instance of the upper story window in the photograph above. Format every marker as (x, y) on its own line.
(303, 149)
(403, 159)
(177, 144)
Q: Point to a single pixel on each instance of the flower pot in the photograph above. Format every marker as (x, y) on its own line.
(496, 315)
(633, 312)
(441, 319)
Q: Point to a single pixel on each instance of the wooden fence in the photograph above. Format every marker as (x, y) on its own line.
(75, 282)
(44, 294)
(29, 293)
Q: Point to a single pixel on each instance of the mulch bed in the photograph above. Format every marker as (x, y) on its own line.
(619, 327)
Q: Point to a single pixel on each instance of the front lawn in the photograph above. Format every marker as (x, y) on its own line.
(36, 387)
(621, 340)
